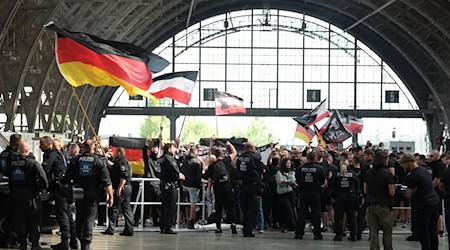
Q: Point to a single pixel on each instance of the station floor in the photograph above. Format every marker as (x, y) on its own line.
(272, 240)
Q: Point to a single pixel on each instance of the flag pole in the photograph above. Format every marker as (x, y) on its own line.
(184, 119)
(78, 100)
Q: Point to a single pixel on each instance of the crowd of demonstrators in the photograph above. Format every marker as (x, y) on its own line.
(330, 189)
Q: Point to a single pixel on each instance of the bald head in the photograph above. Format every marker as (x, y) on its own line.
(250, 147)
(434, 155)
(24, 148)
(46, 143)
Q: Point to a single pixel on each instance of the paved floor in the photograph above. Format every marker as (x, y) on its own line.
(272, 240)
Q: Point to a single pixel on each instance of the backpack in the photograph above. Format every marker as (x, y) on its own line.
(220, 172)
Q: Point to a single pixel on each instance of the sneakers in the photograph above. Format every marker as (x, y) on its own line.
(126, 234)
(63, 245)
(412, 238)
(260, 231)
(218, 231)
(169, 231)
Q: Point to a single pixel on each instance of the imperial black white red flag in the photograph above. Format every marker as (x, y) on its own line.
(177, 86)
(227, 104)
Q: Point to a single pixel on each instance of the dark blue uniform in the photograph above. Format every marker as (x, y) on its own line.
(310, 177)
(26, 180)
(251, 170)
(89, 172)
(121, 170)
(345, 189)
(6, 210)
(54, 166)
(170, 174)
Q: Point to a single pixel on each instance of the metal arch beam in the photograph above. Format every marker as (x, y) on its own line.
(13, 110)
(384, 6)
(428, 17)
(9, 19)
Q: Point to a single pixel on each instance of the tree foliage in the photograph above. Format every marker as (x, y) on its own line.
(194, 129)
(150, 128)
(256, 132)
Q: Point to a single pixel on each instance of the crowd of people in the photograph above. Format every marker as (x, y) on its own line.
(336, 190)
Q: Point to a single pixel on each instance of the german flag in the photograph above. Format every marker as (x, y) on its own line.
(86, 59)
(133, 151)
(305, 134)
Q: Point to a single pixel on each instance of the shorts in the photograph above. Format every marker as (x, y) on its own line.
(193, 194)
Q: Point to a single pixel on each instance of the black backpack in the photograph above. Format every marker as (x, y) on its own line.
(221, 173)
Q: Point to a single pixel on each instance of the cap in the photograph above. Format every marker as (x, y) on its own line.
(407, 158)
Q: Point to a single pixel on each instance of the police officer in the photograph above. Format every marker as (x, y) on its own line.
(170, 176)
(310, 177)
(26, 180)
(345, 189)
(10, 153)
(121, 182)
(53, 165)
(251, 170)
(89, 172)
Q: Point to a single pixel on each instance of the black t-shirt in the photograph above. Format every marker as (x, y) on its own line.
(344, 184)
(445, 179)
(425, 195)
(438, 168)
(377, 180)
(219, 171)
(310, 177)
(192, 170)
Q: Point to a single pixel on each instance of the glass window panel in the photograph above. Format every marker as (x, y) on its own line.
(239, 72)
(242, 90)
(289, 95)
(264, 73)
(290, 39)
(342, 73)
(213, 55)
(368, 96)
(213, 71)
(210, 85)
(342, 57)
(264, 94)
(316, 73)
(238, 56)
(369, 74)
(290, 73)
(341, 95)
(239, 38)
(316, 57)
(188, 56)
(290, 56)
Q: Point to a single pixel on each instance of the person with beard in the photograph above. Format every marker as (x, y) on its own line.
(152, 169)
(251, 170)
(438, 167)
(270, 202)
(170, 177)
(425, 200)
(310, 179)
(285, 179)
(379, 187)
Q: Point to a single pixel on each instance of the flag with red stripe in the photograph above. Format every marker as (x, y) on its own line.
(133, 151)
(227, 104)
(86, 59)
(177, 86)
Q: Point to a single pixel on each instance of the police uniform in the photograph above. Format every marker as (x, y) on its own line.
(345, 188)
(170, 173)
(251, 170)
(53, 164)
(121, 170)
(7, 238)
(89, 172)
(310, 178)
(26, 180)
